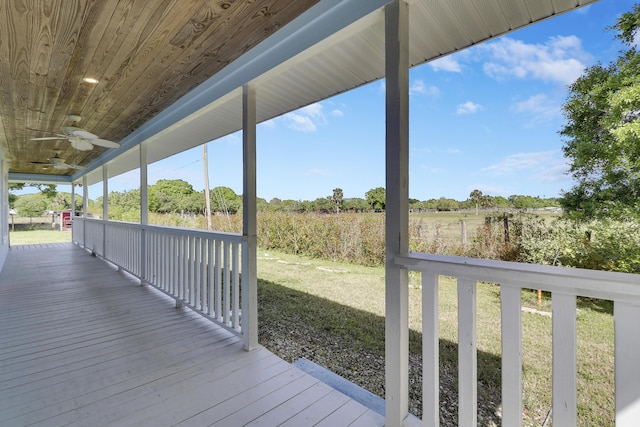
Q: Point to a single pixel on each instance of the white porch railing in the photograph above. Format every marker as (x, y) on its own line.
(565, 284)
(199, 269)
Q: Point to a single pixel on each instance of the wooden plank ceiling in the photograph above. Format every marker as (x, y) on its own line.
(145, 55)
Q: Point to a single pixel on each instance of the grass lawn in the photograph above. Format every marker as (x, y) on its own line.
(31, 237)
(333, 314)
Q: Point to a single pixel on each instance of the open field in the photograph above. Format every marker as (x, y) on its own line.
(448, 225)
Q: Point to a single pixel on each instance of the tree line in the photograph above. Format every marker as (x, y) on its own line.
(178, 196)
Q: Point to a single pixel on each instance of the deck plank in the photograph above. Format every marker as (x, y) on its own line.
(84, 344)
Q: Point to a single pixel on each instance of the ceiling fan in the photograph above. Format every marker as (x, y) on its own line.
(58, 163)
(79, 139)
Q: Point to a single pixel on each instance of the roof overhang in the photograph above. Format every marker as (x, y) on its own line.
(335, 46)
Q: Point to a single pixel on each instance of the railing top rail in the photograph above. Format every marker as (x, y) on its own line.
(182, 231)
(572, 281)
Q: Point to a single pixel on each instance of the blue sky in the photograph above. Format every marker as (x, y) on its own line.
(485, 118)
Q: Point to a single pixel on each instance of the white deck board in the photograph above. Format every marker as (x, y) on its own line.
(83, 344)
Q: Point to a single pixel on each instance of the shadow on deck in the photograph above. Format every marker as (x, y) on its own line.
(82, 344)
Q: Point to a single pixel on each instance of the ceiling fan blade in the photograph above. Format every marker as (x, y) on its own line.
(105, 143)
(81, 144)
(41, 163)
(77, 167)
(83, 134)
(47, 138)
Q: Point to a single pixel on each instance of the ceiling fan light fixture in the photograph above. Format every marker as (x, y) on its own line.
(74, 118)
(90, 80)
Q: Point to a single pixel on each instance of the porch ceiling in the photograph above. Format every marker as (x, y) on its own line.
(170, 73)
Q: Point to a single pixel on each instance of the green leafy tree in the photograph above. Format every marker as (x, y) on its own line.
(355, 204)
(602, 135)
(30, 205)
(376, 198)
(323, 204)
(225, 200)
(47, 190)
(173, 195)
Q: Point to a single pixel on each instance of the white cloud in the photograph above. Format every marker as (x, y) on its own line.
(418, 87)
(337, 113)
(301, 122)
(269, 123)
(561, 59)
(540, 108)
(306, 119)
(468, 108)
(446, 63)
(545, 165)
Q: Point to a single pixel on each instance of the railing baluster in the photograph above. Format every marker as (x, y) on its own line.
(196, 271)
(218, 281)
(235, 290)
(203, 273)
(627, 375)
(185, 268)
(467, 354)
(226, 287)
(564, 359)
(191, 290)
(430, 351)
(210, 276)
(511, 320)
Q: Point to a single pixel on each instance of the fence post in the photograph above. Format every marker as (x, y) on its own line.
(464, 235)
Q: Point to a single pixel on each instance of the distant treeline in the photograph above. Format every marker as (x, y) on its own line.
(178, 196)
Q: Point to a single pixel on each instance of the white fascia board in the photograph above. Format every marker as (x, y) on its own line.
(39, 178)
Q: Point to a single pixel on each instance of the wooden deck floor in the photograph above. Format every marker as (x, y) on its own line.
(82, 344)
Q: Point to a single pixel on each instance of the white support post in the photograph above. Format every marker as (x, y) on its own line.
(85, 196)
(105, 193)
(627, 375)
(73, 200)
(105, 208)
(397, 212)
(144, 210)
(85, 206)
(249, 228)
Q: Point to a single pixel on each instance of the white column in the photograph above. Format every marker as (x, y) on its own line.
(105, 193)
(144, 210)
(85, 206)
(249, 228)
(85, 196)
(144, 186)
(105, 208)
(73, 200)
(73, 210)
(397, 211)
